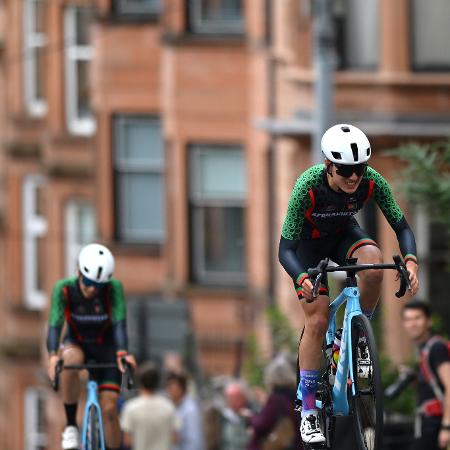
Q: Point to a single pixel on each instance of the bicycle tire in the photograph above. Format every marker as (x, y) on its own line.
(93, 441)
(367, 403)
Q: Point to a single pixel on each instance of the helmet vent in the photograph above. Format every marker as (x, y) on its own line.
(101, 252)
(99, 272)
(86, 269)
(355, 151)
(336, 155)
(345, 129)
(368, 151)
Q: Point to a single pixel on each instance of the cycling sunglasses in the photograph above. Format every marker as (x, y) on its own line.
(346, 171)
(91, 283)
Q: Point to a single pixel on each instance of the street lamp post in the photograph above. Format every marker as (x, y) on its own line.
(324, 64)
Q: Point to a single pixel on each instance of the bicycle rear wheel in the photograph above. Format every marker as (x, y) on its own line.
(93, 430)
(367, 404)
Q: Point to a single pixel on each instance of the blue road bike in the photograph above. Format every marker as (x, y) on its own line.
(350, 389)
(92, 436)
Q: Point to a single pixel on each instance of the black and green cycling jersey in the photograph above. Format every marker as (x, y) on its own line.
(100, 320)
(315, 211)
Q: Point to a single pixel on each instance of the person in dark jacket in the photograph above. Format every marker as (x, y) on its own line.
(280, 379)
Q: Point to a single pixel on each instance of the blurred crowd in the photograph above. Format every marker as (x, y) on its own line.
(169, 411)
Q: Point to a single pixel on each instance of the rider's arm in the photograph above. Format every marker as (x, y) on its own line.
(394, 215)
(299, 202)
(119, 323)
(56, 319)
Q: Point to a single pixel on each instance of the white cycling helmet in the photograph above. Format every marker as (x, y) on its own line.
(96, 263)
(345, 144)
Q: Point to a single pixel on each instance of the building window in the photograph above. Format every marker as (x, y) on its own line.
(78, 54)
(216, 16)
(34, 42)
(80, 229)
(139, 179)
(430, 35)
(137, 7)
(217, 192)
(34, 232)
(35, 436)
(357, 35)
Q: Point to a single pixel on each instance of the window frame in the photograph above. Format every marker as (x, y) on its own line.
(34, 227)
(132, 8)
(198, 25)
(32, 41)
(74, 53)
(34, 439)
(199, 271)
(120, 121)
(421, 68)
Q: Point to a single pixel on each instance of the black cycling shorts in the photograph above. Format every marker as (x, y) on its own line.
(108, 379)
(338, 248)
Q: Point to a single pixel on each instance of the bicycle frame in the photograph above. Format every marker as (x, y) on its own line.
(345, 361)
(92, 400)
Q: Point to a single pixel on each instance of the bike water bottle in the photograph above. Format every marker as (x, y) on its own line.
(335, 349)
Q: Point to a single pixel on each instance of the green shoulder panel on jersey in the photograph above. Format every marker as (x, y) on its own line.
(58, 301)
(300, 201)
(118, 301)
(384, 197)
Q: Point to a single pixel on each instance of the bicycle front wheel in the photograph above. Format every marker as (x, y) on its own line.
(368, 399)
(93, 430)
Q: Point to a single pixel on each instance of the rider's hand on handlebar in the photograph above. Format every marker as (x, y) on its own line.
(307, 290)
(130, 359)
(412, 269)
(52, 362)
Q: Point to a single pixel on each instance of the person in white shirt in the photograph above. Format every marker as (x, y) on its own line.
(149, 421)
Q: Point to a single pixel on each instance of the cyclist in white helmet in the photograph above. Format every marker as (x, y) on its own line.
(320, 223)
(92, 306)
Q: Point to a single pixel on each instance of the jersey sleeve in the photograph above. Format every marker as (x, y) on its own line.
(384, 198)
(299, 202)
(439, 354)
(118, 316)
(56, 317)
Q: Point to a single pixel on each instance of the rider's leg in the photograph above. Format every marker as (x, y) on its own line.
(70, 383)
(108, 404)
(369, 280)
(310, 349)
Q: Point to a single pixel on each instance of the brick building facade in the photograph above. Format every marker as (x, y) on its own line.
(173, 131)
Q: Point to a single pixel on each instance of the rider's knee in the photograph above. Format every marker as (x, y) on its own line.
(72, 355)
(374, 276)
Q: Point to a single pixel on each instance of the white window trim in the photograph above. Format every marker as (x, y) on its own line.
(33, 438)
(201, 25)
(72, 246)
(82, 126)
(34, 226)
(32, 40)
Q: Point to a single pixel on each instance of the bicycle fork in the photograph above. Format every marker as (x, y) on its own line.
(91, 401)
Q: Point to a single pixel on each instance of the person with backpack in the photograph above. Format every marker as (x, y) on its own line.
(432, 429)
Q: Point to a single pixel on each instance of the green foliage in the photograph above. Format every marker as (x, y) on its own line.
(283, 336)
(254, 363)
(426, 177)
(405, 402)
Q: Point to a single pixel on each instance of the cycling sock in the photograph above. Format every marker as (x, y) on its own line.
(71, 413)
(308, 387)
(368, 313)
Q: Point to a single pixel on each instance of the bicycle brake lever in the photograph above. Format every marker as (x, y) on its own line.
(128, 373)
(58, 370)
(316, 287)
(404, 276)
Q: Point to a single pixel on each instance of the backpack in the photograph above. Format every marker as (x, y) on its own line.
(282, 436)
(435, 406)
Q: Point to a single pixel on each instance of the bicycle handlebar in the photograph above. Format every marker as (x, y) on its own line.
(317, 273)
(60, 366)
